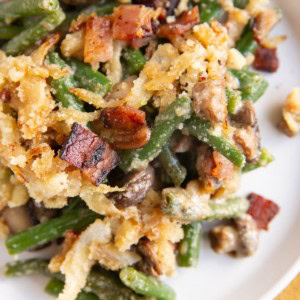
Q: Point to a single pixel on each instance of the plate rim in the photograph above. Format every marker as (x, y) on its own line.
(283, 282)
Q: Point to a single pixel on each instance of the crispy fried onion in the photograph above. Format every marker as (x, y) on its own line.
(125, 127)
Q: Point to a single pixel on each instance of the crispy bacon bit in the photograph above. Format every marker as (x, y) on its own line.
(126, 127)
(262, 210)
(150, 264)
(183, 23)
(5, 95)
(132, 22)
(123, 117)
(88, 152)
(98, 42)
(266, 60)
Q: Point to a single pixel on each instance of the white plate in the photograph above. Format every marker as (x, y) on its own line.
(277, 260)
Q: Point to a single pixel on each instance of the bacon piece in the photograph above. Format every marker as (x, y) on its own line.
(126, 127)
(266, 60)
(183, 23)
(123, 117)
(5, 95)
(262, 210)
(88, 152)
(98, 42)
(131, 22)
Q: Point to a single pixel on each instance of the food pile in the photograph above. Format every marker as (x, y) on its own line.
(124, 126)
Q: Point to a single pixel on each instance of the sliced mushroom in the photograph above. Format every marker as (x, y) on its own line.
(17, 218)
(209, 99)
(136, 186)
(150, 263)
(240, 239)
(246, 115)
(248, 139)
(213, 168)
(223, 239)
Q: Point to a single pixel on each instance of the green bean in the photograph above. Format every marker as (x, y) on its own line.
(189, 246)
(172, 166)
(252, 85)
(200, 128)
(61, 86)
(55, 286)
(233, 100)
(134, 59)
(246, 44)
(104, 284)
(34, 33)
(230, 208)
(8, 32)
(165, 124)
(146, 285)
(28, 21)
(45, 232)
(266, 158)
(88, 78)
(101, 9)
(179, 204)
(240, 3)
(210, 9)
(14, 9)
(27, 267)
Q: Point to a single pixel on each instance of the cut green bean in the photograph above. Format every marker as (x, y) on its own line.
(8, 32)
(246, 44)
(104, 284)
(165, 124)
(252, 85)
(179, 204)
(49, 231)
(200, 128)
(266, 158)
(189, 246)
(134, 59)
(233, 100)
(88, 78)
(172, 166)
(14, 9)
(34, 33)
(240, 3)
(55, 286)
(27, 267)
(145, 285)
(210, 9)
(62, 85)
